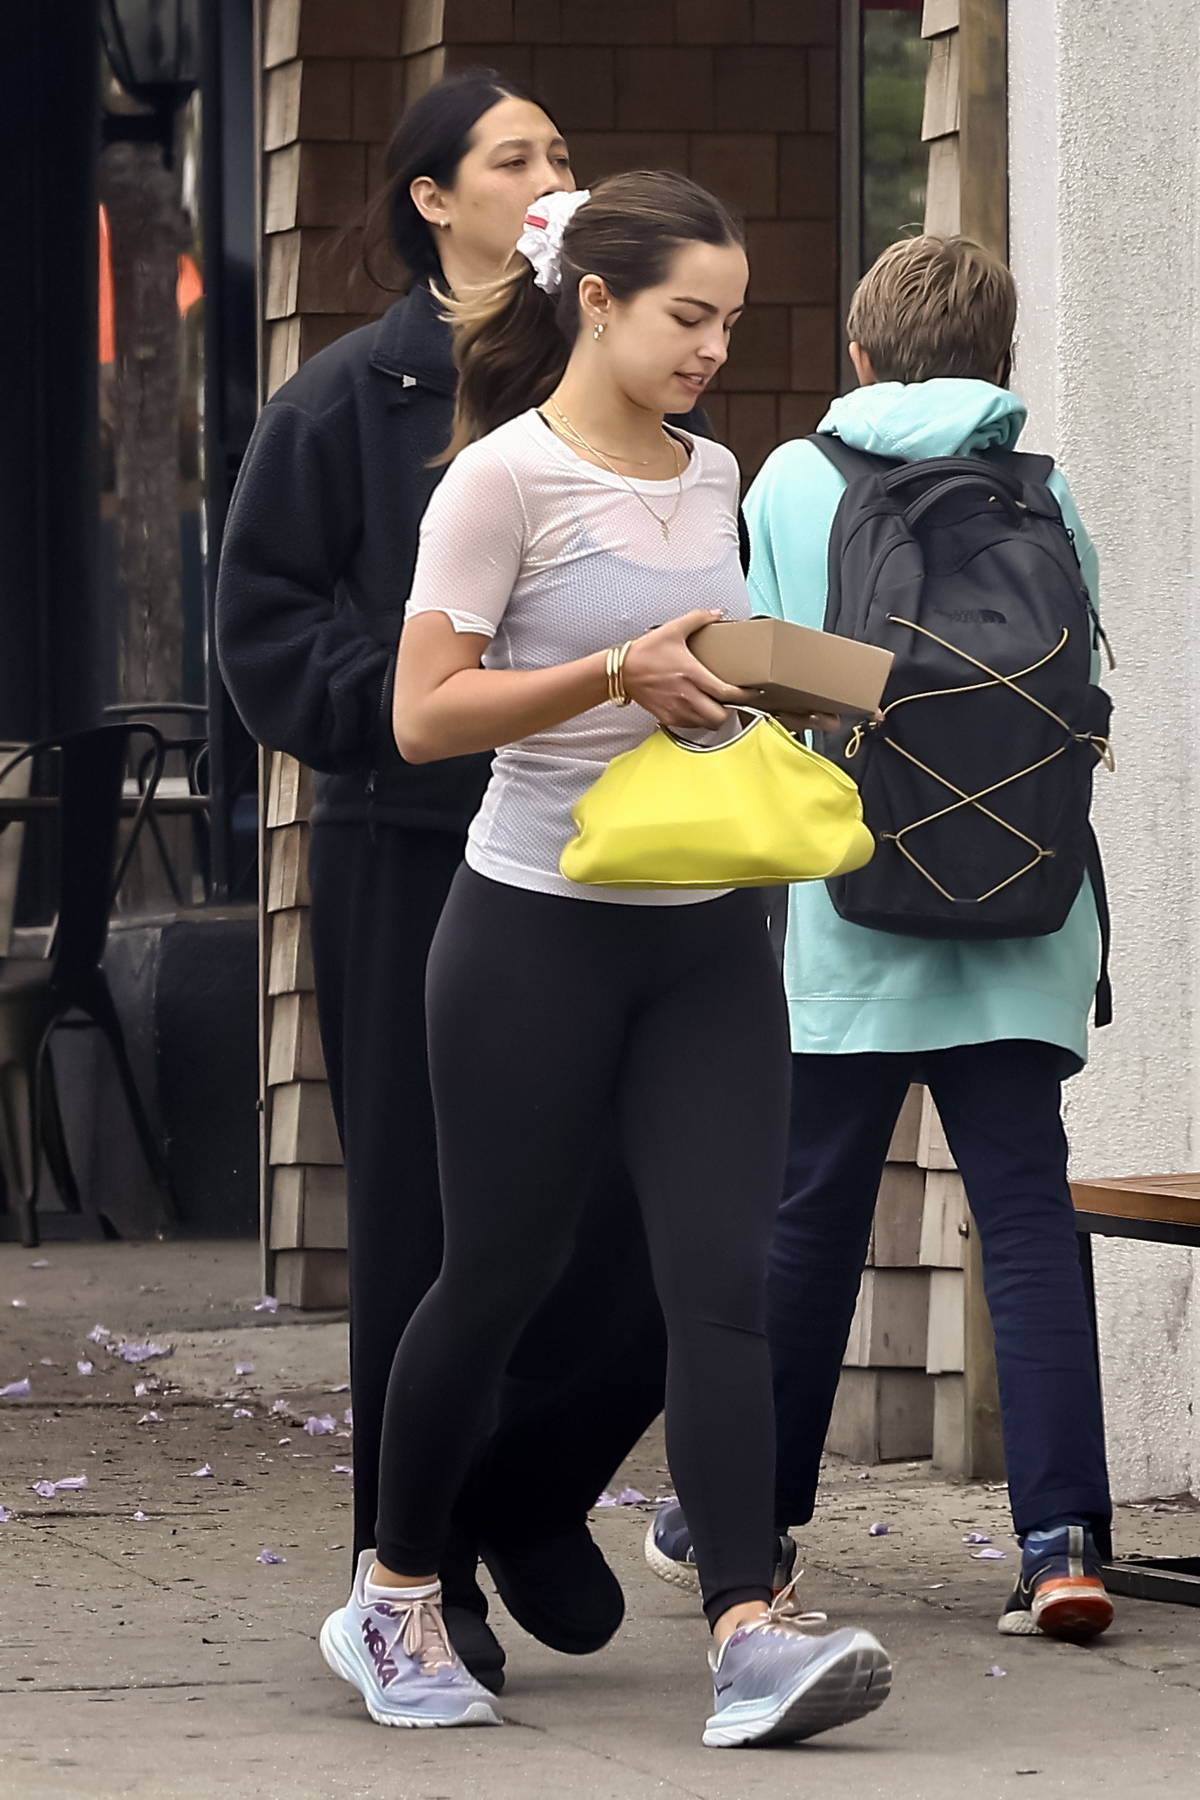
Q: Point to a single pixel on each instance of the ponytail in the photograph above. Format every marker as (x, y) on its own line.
(513, 338)
(509, 351)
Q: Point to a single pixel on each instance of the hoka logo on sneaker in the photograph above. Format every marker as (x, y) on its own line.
(377, 1650)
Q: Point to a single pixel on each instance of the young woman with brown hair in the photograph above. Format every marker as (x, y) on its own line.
(317, 560)
(554, 594)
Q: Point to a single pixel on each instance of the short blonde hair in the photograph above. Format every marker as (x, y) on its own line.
(935, 306)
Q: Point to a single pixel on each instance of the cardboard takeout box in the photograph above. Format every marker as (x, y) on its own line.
(799, 670)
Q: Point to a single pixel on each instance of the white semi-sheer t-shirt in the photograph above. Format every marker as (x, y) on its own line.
(553, 559)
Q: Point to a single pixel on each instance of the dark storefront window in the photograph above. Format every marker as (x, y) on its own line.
(162, 644)
(894, 60)
(177, 399)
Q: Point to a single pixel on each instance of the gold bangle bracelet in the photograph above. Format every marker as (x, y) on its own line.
(614, 667)
(622, 653)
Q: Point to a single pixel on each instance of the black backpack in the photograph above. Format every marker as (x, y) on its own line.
(978, 783)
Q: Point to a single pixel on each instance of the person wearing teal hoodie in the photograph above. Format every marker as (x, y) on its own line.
(993, 1027)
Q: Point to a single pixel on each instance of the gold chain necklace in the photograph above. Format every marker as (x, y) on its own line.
(574, 436)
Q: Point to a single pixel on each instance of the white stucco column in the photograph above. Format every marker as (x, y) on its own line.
(1105, 159)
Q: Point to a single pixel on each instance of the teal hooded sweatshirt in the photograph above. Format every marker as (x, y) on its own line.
(850, 989)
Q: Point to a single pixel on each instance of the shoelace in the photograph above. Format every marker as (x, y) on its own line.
(784, 1614)
(422, 1635)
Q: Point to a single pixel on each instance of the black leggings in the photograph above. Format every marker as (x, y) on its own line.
(549, 1018)
(579, 1390)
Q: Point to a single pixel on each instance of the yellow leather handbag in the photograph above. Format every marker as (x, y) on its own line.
(754, 812)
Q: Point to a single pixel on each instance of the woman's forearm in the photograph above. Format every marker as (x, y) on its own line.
(472, 710)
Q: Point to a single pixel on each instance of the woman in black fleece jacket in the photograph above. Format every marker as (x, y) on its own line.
(316, 566)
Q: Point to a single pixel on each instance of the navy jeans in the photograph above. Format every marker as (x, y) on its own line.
(1000, 1105)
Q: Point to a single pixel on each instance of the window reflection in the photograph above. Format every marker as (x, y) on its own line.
(895, 59)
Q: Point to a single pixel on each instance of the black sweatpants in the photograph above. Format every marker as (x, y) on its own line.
(587, 1377)
(548, 1019)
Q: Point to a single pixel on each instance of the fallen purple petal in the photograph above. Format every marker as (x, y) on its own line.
(270, 1556)
(140, 1353)
(631, 1497)
(604, 1499)
(47, 1362)
(343, 1387)
(16, 1389)
(5, 1515)
(321, 1426)
(283, 1440)
(267, 1304)
(84, 1368)
(206, 1470)
(69, 1484)
(864, 1476)
(342, 1469)
(150, 1418)
(243, 1368)
(977, 1537)
(996, 1671)
(348, 1416)
(142, 1388)
(139, 1518)
(242, 1412)
(99, 1334)
(879, 1529)
(988, 1556)
(280, 1406)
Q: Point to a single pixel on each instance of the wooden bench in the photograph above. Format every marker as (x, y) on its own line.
(1156, 1209)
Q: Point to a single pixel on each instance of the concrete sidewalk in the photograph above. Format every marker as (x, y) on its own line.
(156, 1657)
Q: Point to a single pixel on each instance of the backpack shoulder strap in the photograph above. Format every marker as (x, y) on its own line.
(1095, 869)
(851, 464)
(1033, 473)
(1024, 465)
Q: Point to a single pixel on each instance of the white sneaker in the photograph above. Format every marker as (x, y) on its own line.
(398, 1656)
(774, 1682)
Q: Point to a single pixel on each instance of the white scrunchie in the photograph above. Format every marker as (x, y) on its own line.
(541, 240)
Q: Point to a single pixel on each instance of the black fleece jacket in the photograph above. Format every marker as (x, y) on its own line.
(317, 562)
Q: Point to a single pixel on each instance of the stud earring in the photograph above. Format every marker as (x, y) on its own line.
(598, 330)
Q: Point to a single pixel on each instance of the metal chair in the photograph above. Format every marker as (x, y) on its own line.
(192, 749)
(79, 780)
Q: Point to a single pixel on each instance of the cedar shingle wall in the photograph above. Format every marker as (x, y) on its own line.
(741, 94)
(335, 75)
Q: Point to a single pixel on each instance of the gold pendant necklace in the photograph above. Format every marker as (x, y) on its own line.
(573, 435)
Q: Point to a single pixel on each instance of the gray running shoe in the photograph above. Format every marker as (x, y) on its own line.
(669, 1553)
(399, 1657)
(774, 1682)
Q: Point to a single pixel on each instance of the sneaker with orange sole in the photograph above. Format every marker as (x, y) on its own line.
(1059, 1593)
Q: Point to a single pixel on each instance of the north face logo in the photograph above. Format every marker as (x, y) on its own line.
(985, 616)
